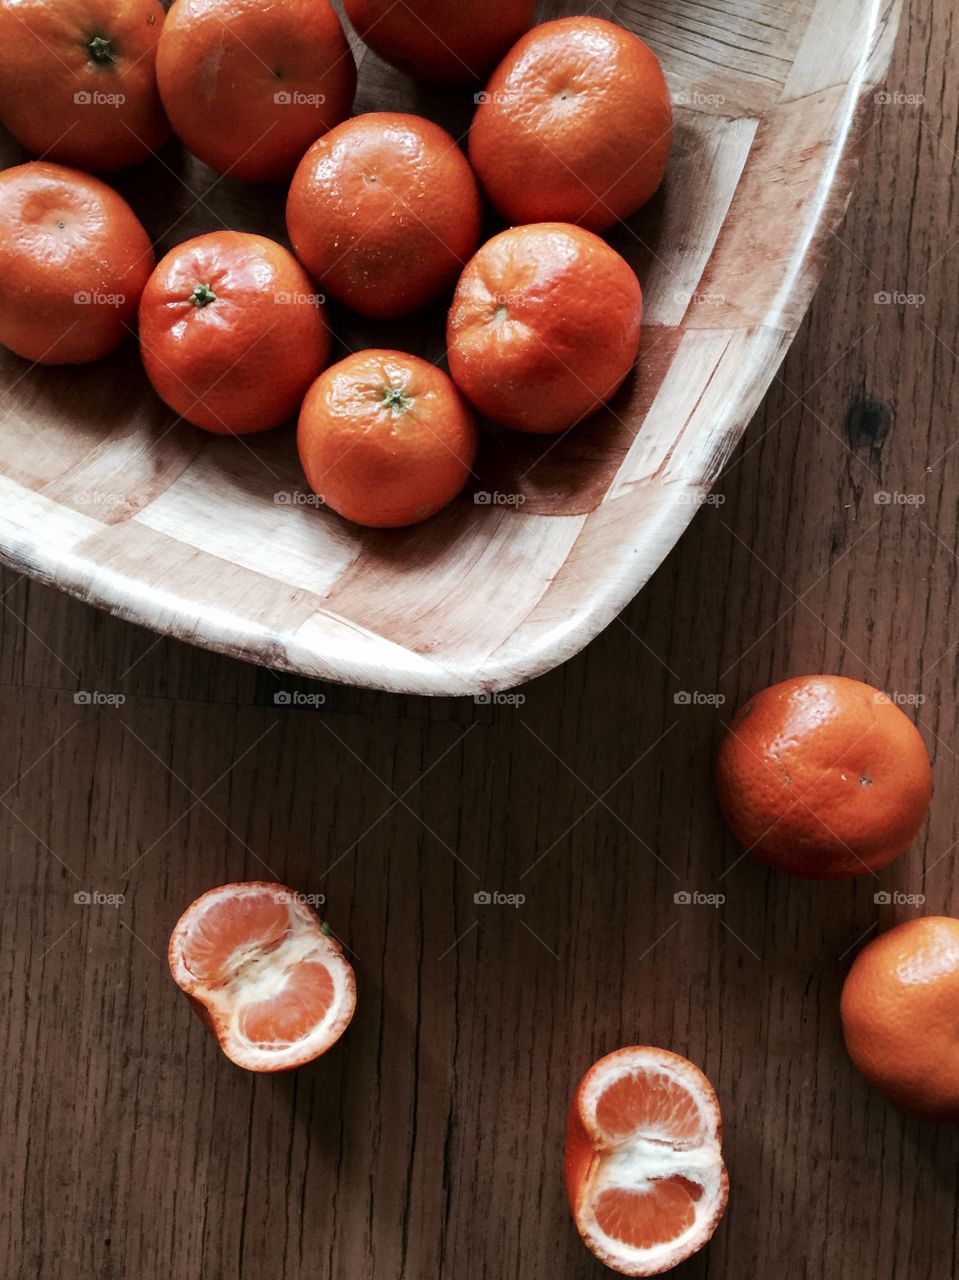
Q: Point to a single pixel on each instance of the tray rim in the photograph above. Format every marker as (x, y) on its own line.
(24, 549)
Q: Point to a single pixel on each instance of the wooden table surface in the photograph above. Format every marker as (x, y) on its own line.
(428, 1143)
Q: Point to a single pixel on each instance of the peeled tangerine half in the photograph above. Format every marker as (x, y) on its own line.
(644, 1166)
(265, 977)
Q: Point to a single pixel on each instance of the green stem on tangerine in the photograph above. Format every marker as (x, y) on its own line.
(100, 49)
(394, 398)
(201, 295)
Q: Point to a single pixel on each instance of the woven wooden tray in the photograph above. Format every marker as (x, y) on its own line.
(215, 541)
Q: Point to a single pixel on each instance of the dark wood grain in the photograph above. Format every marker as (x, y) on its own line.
(428, 1143)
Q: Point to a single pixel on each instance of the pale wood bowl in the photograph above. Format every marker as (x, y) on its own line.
(102, 495)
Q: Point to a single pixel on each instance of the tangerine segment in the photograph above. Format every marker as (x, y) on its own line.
(645, 1218)
(263, 974)
(653, 1104)
(644, 1170)
(305, 996)
(231, 931)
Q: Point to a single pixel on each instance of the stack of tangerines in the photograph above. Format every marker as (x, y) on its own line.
(383, 212)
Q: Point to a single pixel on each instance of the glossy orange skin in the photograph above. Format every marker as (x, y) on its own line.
(544, 326)
(900, 1014)
(382, 466)
(244, 361)
(242, 81)
(441, 41)
(46, 60)
(823, 777)
(74, 259)
(384, 212)
(575, 126)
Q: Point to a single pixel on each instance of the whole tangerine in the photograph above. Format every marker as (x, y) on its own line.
(78, 80)
(575, 126)
(544, 326)
(249, 86)
(441, 42)
(74, 259)
(384, 212)
(823, 777)
(386, 439)
(231, 332)
(900, 1010)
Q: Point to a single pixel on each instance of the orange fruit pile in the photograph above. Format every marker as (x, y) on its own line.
(384, 213)
(264, 975)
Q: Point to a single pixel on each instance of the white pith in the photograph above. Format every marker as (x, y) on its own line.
(257, 974)
(637, 1161)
